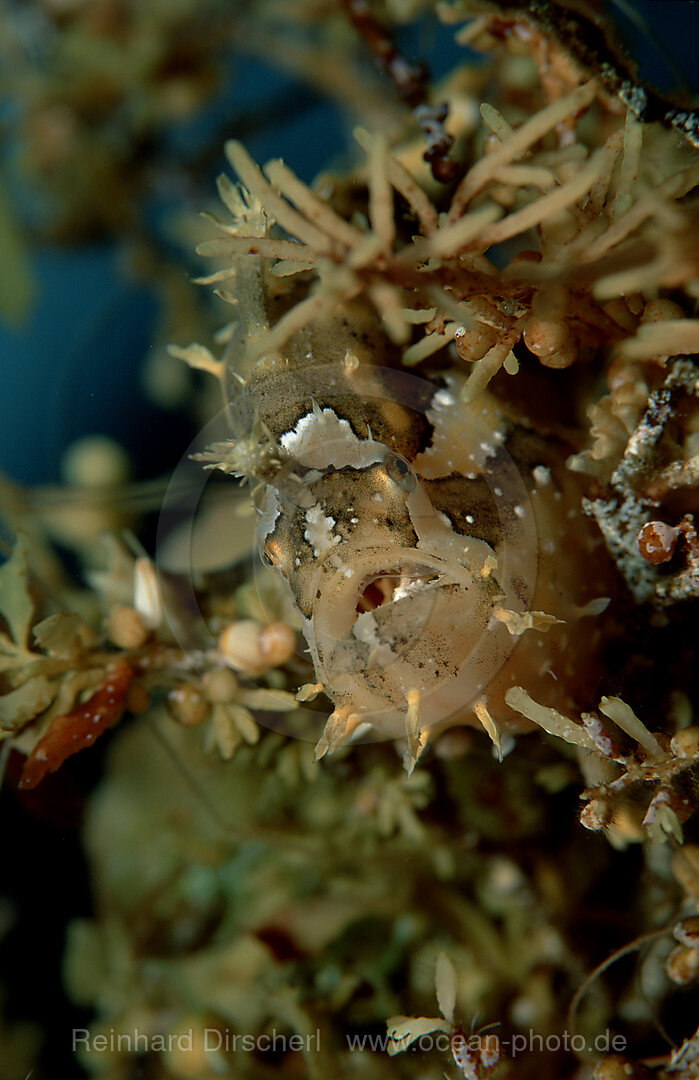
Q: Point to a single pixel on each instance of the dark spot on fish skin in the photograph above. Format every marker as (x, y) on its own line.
(460, 498)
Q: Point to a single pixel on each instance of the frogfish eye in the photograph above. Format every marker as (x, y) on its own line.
(400, 471)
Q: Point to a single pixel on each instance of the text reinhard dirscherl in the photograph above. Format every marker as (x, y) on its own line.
(216, 1040)
(210, 1039)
